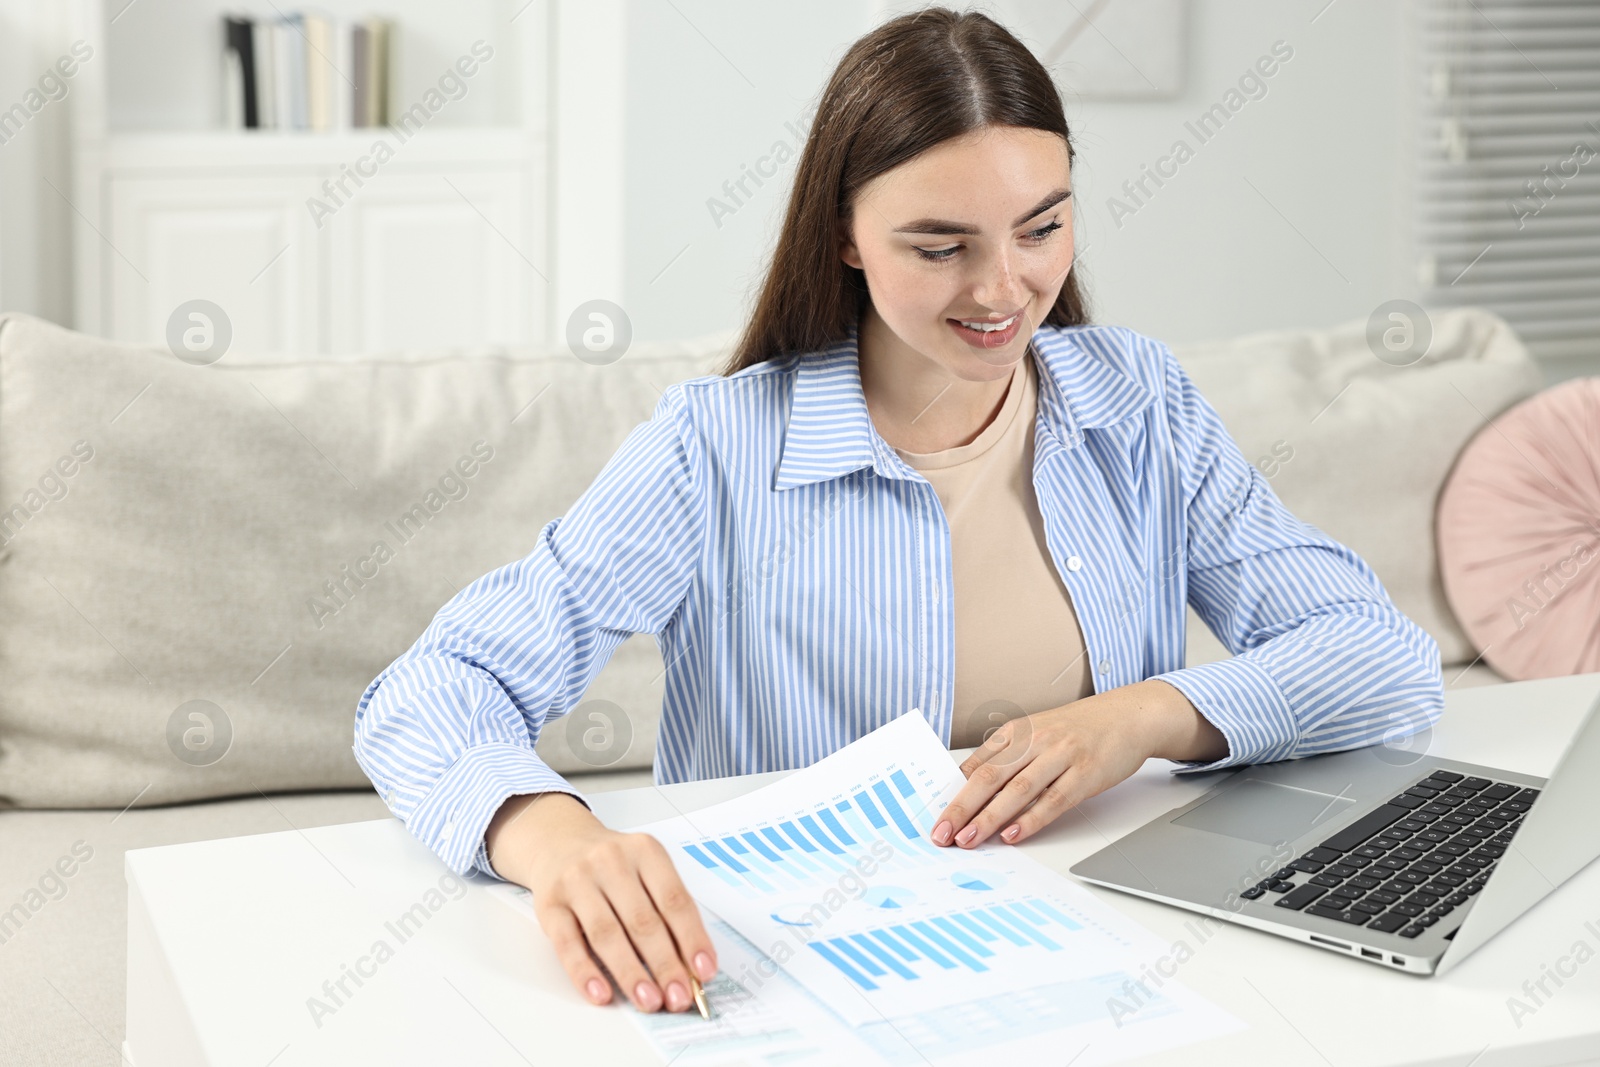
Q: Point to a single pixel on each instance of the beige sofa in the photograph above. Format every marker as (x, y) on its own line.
(195, 594)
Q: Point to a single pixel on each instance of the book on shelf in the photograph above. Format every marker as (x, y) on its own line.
(239, 76)
(261, 37)
(285, 47)
(305, 70)
(319, 75)
(378, 65)
(359, 63)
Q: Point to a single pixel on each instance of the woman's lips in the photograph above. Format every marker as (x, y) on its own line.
(987, 338)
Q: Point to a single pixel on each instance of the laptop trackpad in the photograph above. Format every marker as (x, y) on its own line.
(1265, 812)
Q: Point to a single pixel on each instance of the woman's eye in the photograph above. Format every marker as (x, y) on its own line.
(938, 255)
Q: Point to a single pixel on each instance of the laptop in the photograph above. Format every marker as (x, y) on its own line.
(1392, 857)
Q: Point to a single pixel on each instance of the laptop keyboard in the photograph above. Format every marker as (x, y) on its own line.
(1409, 862)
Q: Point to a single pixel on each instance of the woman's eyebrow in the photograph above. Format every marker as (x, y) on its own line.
(944, 226)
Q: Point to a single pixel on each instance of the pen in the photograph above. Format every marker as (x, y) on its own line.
(700, 1000)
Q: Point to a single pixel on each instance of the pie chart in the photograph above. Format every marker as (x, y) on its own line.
(793, 915)
(888, 896)
(977, 881)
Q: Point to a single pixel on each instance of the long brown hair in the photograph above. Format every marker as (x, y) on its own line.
(912, 83)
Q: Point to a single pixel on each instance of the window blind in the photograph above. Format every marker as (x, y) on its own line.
(1508, 172)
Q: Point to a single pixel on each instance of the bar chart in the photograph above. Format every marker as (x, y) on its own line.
(961, 939)
(821, 843)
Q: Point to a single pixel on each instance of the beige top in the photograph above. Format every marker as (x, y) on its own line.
(1019, 648)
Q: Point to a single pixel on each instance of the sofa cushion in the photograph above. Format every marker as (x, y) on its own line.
(1519, 535)
(1359, 447)
(204, 566)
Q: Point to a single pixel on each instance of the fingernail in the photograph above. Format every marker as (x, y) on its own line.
(704, 967)
(597, 990)
(645, 995)
(1010, 833)
(677, 996)
(965, 836)
(941, 833)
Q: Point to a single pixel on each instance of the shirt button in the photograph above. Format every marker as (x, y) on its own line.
(1074, 563)
(937, 592)
(1105, 666)
(448, 829)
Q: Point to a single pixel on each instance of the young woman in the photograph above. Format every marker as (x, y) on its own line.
(923, 481)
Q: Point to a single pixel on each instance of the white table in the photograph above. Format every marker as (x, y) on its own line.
(228, 939)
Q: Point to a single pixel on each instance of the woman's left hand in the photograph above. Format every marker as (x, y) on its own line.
(1054, 759)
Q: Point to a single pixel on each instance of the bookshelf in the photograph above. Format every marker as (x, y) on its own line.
(443, 237)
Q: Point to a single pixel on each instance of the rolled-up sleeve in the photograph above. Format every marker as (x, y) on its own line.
(1323, 660)
(446, 732)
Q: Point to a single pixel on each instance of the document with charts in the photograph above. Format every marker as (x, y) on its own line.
(921, 953)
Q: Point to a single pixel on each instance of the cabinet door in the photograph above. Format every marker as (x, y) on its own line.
(425, 259)
(246, 243)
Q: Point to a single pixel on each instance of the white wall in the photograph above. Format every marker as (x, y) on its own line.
(710, 91)
(1294, 214)
(35, 221)
(712, 88)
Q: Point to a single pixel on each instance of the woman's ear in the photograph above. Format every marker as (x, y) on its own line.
(848, 251)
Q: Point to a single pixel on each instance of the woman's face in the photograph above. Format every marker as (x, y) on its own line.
(977, 230)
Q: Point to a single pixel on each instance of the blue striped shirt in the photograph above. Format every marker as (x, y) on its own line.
(797, 576)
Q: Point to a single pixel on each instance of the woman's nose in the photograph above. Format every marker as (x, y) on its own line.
(1001, 288)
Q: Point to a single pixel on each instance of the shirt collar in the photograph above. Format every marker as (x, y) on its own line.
(830, 432)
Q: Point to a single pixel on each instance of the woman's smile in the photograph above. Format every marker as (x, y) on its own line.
(988, 333)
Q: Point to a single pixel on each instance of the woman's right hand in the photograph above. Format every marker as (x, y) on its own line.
(616, 894)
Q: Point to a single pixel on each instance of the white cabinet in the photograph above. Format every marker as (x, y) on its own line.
(434, 259)
(244, 243)
(426, 253)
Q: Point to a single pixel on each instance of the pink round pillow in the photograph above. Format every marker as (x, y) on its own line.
(1519, 535)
